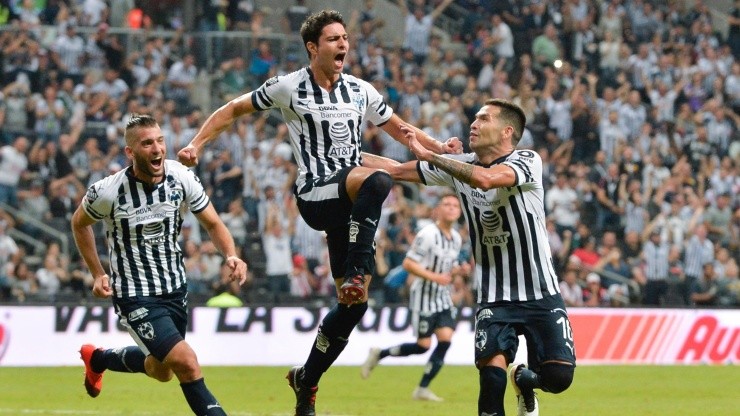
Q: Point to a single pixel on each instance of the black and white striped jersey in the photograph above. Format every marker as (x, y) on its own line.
(142, 225)
(438, 253)
(325, 127)
(507, 230)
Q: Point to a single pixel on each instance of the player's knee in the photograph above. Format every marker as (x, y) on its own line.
(556, 378)
(157, 370)
(379, 182)
(163, 375)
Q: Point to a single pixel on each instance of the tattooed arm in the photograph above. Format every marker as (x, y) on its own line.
(497, 176)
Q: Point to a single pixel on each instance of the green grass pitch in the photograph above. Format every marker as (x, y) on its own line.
(252, 391)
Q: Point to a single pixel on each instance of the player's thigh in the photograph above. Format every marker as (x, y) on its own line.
(495, 335)
(156, 324)
(324, 203)
(549, 336)
(444, 324)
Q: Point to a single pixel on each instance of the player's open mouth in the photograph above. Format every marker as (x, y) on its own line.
(157, 163)
(339, 59)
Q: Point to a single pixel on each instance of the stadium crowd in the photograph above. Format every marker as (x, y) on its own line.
(633, 105)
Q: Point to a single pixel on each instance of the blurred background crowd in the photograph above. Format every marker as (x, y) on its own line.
(633, 105)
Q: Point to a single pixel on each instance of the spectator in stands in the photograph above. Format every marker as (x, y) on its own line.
(294, 16)
(68, 52)
(13, 164)
(546, 48)
(35, 204)
(180, 81)
(571, 291)
(301, 278)
(418, 24)
(705, 291)
(23, 282)
(717, 219)
(51, 277)
(262, 64)
(237, 221)
(655, 257)
(8, 249)
(276, 245)
(594, 294)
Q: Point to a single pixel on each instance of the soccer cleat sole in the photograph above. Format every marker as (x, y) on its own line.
(353, 293)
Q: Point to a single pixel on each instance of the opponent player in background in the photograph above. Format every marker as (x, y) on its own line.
(432, 261)
(325, 110)
(142, 207)
(502, 196)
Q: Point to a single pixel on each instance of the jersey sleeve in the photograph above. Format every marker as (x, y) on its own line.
(421, 246)
(377, 112)
(195, 194)
(527, 165)
(99, 199)
(273, 93)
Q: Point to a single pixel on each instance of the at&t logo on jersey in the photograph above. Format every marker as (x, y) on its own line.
(491, 236)
(341, 146)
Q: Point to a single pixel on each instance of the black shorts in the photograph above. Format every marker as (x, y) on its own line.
(325, 206)
(156, 323)
(544, 324)
(426, 323)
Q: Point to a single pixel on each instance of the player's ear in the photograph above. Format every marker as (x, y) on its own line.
(312, 48)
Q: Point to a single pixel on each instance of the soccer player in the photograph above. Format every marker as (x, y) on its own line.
(433, 259)
(325, 110)
(142, 207)
(502, 196)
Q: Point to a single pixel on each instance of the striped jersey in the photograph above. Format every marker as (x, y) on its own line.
(436, 252)
(325, 127)
(507, 230)
(142, 224)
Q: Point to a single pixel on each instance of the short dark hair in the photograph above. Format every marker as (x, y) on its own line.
(136, 121)
(314, 24)
(510, 114)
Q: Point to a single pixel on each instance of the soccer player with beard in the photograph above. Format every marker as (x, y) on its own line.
(325, 111)
(142, 207)
(502, 196)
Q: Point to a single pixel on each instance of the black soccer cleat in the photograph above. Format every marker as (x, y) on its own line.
(353, 289)
(305, 397)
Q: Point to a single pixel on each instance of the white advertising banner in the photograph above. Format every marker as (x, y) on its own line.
(51, 336)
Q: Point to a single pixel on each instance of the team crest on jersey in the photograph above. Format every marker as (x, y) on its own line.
(146, 330)
(481, 338)
(359, 102)
(176, 197)
(91, 195)
(492, 234)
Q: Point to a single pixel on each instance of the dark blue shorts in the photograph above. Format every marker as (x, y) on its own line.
(544, 324)
(325, 206)
(426, 324)
(156, 323)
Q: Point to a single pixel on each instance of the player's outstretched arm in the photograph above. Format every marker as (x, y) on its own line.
(224, 242)
(214, 125)
(497, 176)
(85, 240)
(394, 128)
(406, 171)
